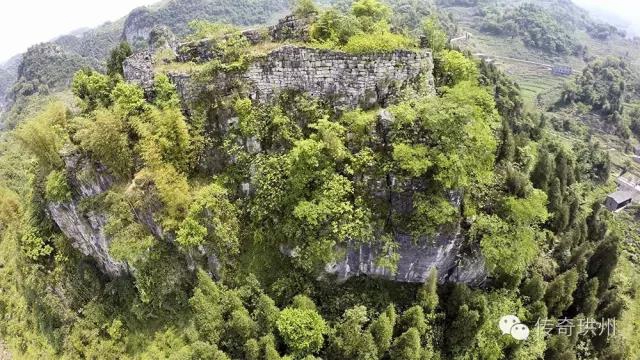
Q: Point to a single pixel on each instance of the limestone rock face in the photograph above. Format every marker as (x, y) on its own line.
(291, 28)
(138, 69)
(160, 38)
(446, 252)
(443, 253)
(138, 26)
(85, 228)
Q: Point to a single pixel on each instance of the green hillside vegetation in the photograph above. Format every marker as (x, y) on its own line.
(531, 205)
(49, 67)
(602, 87)
(533, 24)
(44, 69)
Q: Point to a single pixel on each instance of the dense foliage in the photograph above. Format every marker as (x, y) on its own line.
(534, 25)
(366, 28)
(601, 86)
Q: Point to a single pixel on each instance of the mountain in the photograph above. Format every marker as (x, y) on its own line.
(91, 47)
(365, 180)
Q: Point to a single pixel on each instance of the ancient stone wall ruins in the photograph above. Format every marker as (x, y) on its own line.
(346, 80)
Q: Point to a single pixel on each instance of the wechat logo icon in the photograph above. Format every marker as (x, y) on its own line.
(510, 324)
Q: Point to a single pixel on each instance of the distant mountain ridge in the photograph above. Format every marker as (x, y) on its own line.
(90, 47)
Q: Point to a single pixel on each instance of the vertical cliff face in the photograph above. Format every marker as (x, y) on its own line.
(138, 26)
(85, 227)
(416, 260)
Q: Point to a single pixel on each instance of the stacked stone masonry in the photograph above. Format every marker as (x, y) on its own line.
(345, 79)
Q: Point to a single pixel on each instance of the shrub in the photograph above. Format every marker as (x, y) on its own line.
(380, 42)
(107, 140)
(302, 330)
(44, 135)
(56, 187)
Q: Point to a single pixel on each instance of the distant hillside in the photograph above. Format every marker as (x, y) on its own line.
(50, 66)
(177, 14)
(517, 35)
(45, 68)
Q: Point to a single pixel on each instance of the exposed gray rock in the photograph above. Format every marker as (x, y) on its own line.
(443, 253)
(291, 28)
(162, 38)
(253, 36)
(86, 228)
(138, 68)
(198, 51)
(138, 26)
(204, 50)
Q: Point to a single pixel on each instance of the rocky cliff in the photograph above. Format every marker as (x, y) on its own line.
(416, 260)
(345, 81)
(85, 227)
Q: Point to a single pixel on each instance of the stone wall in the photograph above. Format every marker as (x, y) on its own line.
(346, 80)
(291, 28)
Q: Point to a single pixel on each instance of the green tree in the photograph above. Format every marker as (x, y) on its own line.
(93, 88)
(560, 348)
(559, 294)
(506, 149)
(543, 170)
(128, 99)
(413, 318)
(44, 136)
(589, 298)
(302, 330)
(604, 261)
(435, 36)
(305, 8)
(407, 346)
(56, 187)
(266, 315)
(348, 340)
(105, 137)
(381, 330)
(304, 302)
(117, 57)
(211, 220)
(238, 329)
(207, 311)
(370, 12)
(427, 295)
(534, 288)
(454, 67)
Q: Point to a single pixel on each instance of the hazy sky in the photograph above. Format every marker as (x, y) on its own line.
(27, 22)
(626, 10)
